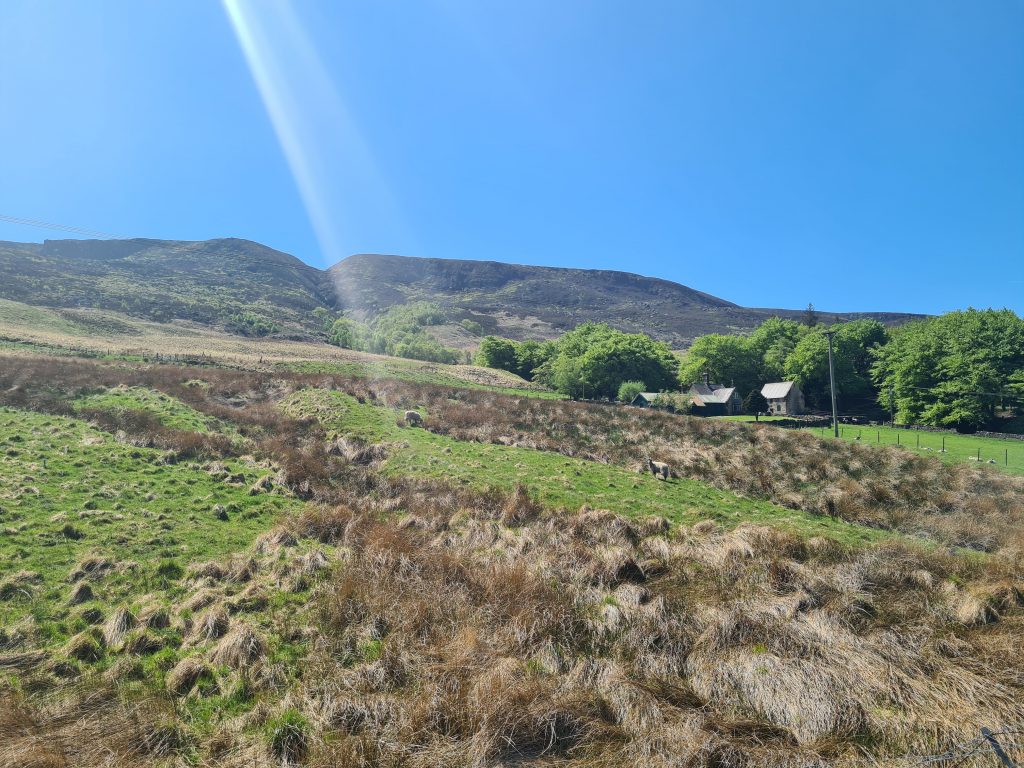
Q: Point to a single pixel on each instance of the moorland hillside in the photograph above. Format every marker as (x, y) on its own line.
(214, 566)
(254, 290)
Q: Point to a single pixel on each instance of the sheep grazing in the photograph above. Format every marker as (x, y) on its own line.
(413, 419)
(659, 469)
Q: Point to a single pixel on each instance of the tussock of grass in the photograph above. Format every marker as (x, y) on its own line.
(183, 677)
(503, 637)
(241, 647)
(398, 618)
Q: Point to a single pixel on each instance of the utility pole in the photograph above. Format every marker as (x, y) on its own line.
(892, 412)
(832, 383)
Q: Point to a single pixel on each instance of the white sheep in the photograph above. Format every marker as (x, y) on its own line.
(413, 419)
(659, 469)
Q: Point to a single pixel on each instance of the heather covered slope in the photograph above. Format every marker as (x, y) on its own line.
(530, 302)
(205, 282)
(204, 566)
(251, 289)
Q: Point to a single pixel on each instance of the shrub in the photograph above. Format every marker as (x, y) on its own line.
(629, 390)
(251, 324)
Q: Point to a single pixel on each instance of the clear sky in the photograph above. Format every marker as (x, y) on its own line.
(857, 154)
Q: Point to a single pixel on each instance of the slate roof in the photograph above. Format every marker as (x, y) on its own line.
(648, 397)
(711, 395)
(777, 390)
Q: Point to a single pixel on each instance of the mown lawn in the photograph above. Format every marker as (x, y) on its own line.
(554, 479)
(1007, 455)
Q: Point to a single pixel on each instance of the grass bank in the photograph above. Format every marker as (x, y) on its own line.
(1007, 455)
(556, 480)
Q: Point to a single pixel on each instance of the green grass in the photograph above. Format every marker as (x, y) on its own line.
(554, 479)
(414, 371)
(1008, 454)
(68, 491)
(16, 313)
(171, 412)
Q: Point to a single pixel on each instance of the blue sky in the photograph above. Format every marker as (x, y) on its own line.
(857, 155)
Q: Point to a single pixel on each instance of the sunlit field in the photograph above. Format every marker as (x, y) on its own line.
(208, 566)
(1006, 454)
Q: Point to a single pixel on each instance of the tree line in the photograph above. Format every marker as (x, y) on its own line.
(963, 370)
(591, 361)
(401, 331)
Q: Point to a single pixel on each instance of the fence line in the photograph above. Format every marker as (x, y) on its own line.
(991, 743)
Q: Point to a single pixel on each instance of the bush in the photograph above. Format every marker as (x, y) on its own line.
(629, 390)
(251, 324)
(398, 332)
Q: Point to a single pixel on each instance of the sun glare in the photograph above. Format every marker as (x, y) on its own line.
(324, 148)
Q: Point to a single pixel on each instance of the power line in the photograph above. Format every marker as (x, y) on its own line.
(61, 227)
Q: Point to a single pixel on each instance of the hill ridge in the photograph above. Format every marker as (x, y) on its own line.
(211, 281)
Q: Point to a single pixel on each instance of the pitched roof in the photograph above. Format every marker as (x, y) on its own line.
(706, 395)
(777, 390)
(649, 397)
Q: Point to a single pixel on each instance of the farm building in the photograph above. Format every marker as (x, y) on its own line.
(647, 399)
(715, 400)
(784, 398)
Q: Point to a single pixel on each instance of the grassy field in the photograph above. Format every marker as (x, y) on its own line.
(295, 576)
(461, 376)
(556, 480)
(41, 330)
(1005, 454)
(169, 411)
(70, 493)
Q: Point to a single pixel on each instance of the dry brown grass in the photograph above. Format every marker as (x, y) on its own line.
(492, 632)
(90, 727)
(958, 505)
(455, 628)
(459, 641)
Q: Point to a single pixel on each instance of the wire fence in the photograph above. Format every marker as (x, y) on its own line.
(1003, 748)
(993, 451)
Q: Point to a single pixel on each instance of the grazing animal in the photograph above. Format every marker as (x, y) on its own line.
(413, 419)
(659, 469)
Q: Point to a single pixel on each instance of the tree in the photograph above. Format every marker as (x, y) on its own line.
(347, 333)
(594, 359)
(728, 360)
(951, 370)
(399, 332)
(498, 353)
(864, 336)
(628, 357)
(531, 355)
(755, 402)
(810, 316)
(251, 324)
(628, 390)
(773, 342)
(566, 376)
